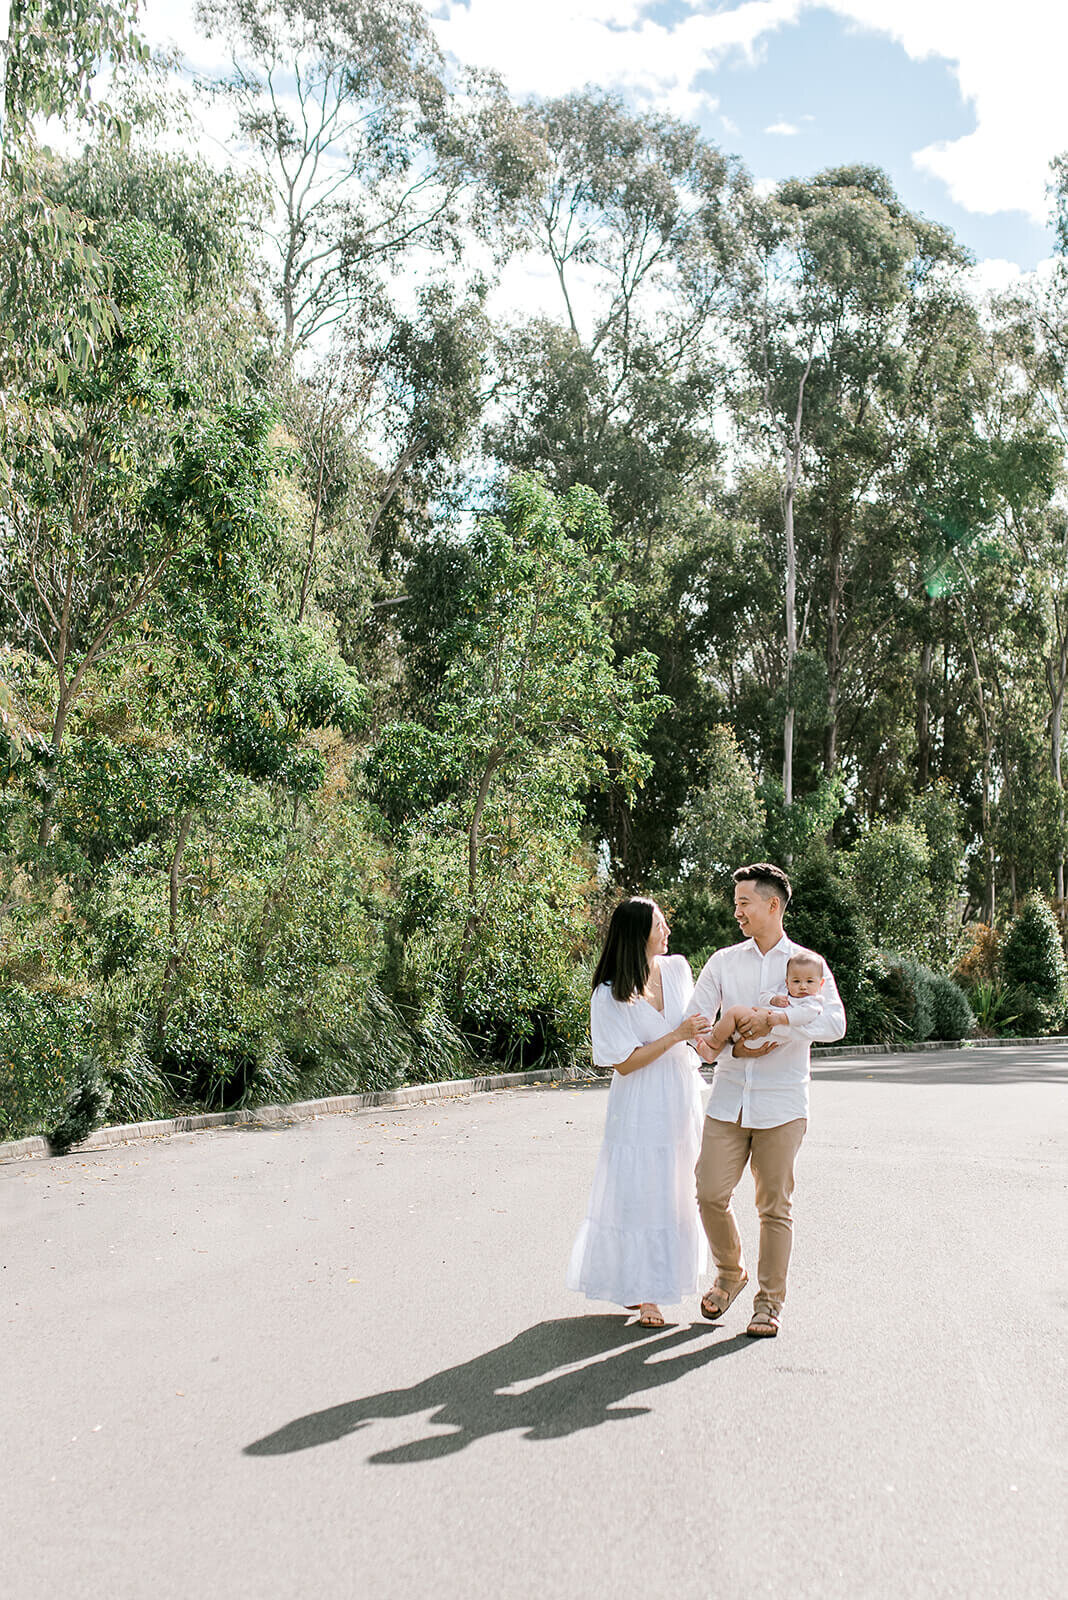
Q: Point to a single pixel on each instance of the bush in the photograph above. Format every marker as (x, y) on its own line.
(979, 960)
(925, 1004)
(953, 1016)
(701, 921)
(825, 915)
(1026, 1016)
(42, 1039)
(1034, 969)
(889, 866)
(84, 1109)
(908, 991)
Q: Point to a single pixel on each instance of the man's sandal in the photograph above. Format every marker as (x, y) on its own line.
(764, 1323)
(721, 1297)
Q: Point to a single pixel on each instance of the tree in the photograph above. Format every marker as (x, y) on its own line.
(634, 216)
(838, 283)
(359, 136)
(531, 708)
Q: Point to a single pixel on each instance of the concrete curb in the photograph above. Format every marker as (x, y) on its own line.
(822, 1050)
(265, 1116)
(450, 1088)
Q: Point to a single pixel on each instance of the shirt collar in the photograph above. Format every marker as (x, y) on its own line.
(785, 944)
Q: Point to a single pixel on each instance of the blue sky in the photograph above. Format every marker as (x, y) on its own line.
(855, 95)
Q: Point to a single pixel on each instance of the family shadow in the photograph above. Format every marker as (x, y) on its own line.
(473, 1400)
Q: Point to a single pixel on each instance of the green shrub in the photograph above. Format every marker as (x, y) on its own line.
(953, 1016)
(701, 920)
(889, 867)
(84, 1109)
(907, 989)
(826, 915)
(1034, 969)
(991, 1002)
(42, 1038)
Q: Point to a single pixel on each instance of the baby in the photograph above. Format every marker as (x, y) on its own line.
(802, 1003)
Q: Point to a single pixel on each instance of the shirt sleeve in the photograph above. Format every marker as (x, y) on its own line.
(831, 1023)
(611, 1029)
(707, 997)
(801, 1012)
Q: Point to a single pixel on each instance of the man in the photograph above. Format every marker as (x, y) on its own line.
(758, 1109)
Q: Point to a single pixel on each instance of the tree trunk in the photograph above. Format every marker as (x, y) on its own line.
(44, 831)
(834, 654)
(923, 719)
(170, 971)
(316, 513)
(1056, 728)
(791, 639)
(1057, 683)
(473, 846)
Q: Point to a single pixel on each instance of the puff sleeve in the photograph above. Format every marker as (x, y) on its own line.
(612, 1029)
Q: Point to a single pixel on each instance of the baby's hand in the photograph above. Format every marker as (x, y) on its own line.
(704, 1050)
(779, 1000)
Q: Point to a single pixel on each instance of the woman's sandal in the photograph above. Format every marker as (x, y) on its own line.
(721, 1297)
(764, 1323)
(651, 1316)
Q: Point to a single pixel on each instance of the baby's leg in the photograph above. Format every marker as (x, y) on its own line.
(726, 1027)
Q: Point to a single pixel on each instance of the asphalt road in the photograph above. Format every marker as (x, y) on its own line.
(339, 1360)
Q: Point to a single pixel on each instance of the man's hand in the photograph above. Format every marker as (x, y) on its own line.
(743, 1049)
(754, 1024)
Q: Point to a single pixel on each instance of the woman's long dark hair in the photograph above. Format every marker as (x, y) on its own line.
(624, 962)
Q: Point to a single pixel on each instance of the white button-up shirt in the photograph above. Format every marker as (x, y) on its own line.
(764, 1091)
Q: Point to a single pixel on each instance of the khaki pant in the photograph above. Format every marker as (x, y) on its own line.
(725, 1149)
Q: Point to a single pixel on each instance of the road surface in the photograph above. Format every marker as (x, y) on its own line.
(338, 1359)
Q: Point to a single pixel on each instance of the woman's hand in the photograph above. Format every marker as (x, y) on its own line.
(692, 1028)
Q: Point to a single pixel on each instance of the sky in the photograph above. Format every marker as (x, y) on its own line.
(960, 101)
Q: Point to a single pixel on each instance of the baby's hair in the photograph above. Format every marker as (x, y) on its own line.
(806, 958)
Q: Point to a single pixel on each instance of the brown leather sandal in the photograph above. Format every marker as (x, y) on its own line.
(764, 1323)
(721, 1297)
(651, 1316)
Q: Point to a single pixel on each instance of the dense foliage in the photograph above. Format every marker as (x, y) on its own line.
(361, 639)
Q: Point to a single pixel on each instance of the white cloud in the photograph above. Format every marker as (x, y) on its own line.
(1009, 62)
(561, 45)
(787, 129)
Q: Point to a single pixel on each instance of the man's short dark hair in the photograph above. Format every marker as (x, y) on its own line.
(769, 880)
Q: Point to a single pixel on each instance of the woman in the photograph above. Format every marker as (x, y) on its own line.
(642, 1242)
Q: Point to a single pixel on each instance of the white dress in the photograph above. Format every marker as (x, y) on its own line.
(642, 1238)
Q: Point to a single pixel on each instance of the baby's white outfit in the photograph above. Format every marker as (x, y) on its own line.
(806, 1010)
(642, 1238)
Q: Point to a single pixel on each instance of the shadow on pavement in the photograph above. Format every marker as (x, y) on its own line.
(469, 1399)
(1034, 1064)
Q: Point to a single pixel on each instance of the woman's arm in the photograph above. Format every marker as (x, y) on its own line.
(689, 1028)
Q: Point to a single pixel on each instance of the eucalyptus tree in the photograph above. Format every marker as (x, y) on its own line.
(1032, 331)
(633, 216)
(370, 149)
(841, 287)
